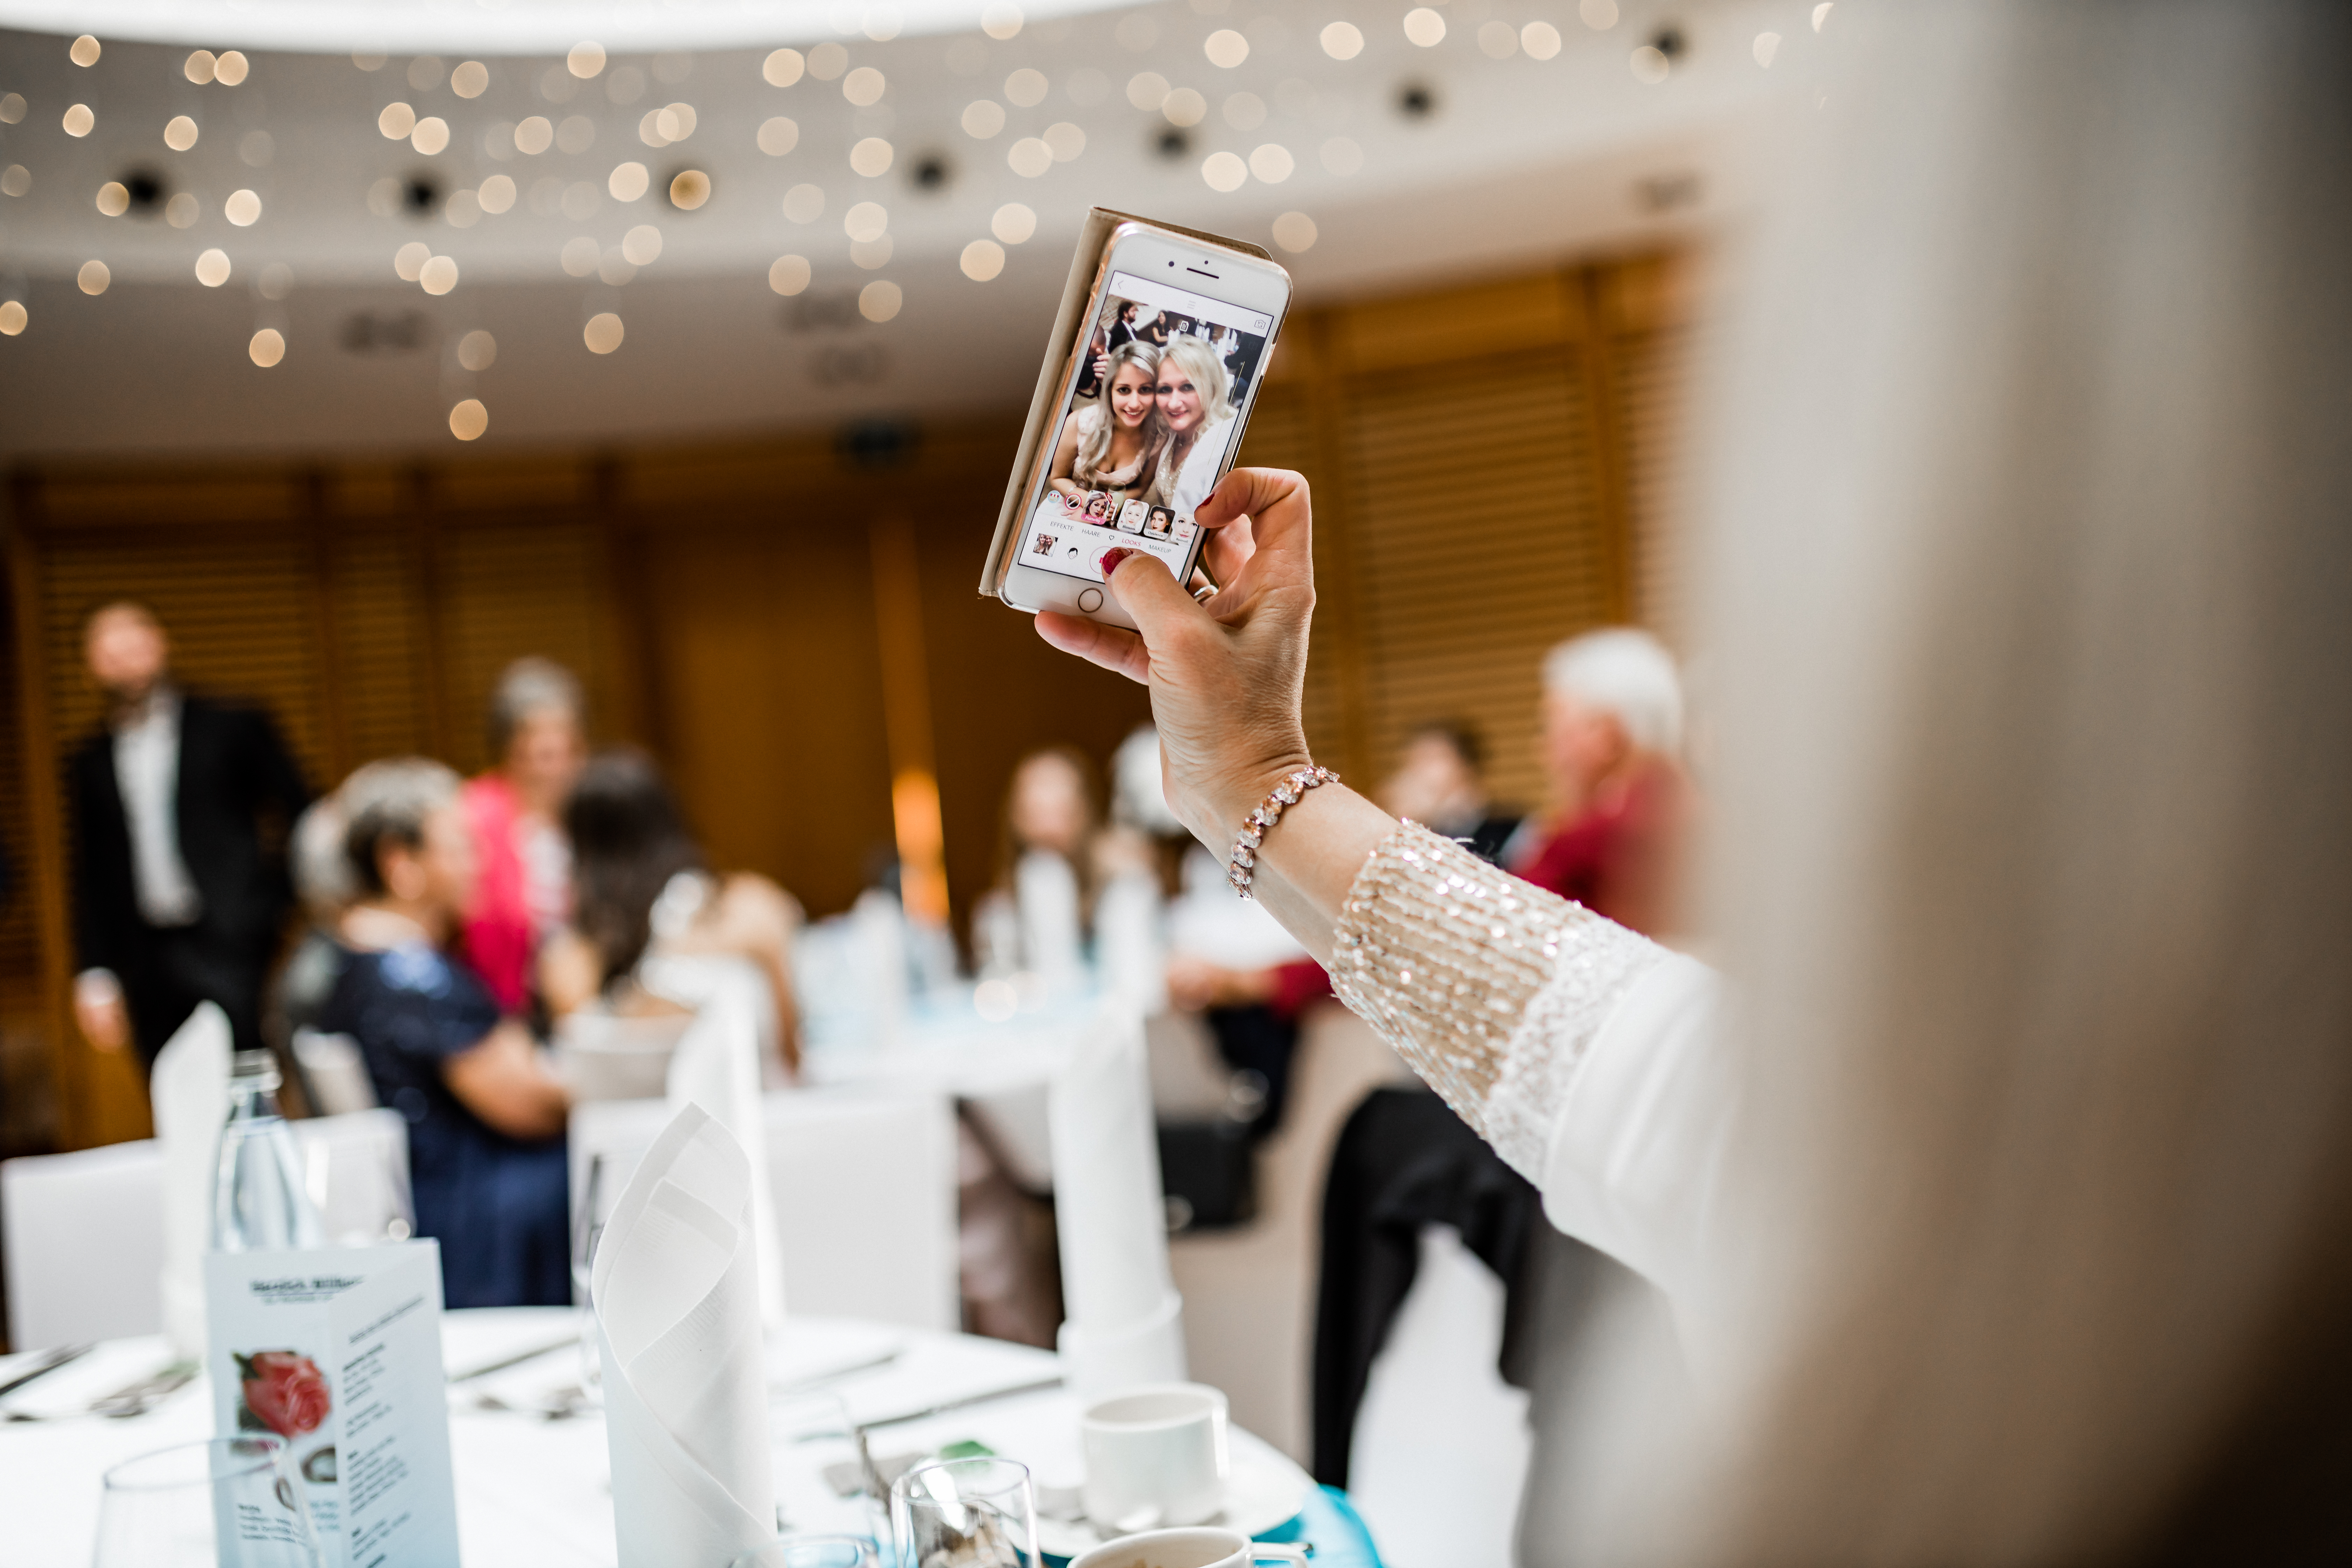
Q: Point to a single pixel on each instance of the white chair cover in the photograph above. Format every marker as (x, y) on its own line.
(865, 1194)
(334, 1072)
(84, 1236)
(600, 1056)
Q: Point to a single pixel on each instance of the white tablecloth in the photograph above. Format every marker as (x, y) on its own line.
(532, 1491)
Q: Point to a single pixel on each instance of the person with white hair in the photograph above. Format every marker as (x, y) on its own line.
(1613, 732)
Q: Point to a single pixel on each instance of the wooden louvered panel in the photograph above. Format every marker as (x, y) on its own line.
(382, 667)
(506, 591)
(1475, 542)
(239, 609)
(1282, 435)
(20, 934)
(1651, 376)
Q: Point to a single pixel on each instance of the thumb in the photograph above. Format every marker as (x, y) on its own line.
(1145, 590)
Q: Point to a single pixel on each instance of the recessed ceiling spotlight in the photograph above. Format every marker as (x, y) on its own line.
(931, 171)
(1668, 41)
(1416, 100)
(1172, 143)
(145, 191)
(421, 197)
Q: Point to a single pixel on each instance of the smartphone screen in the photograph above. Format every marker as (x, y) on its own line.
(1152, 417)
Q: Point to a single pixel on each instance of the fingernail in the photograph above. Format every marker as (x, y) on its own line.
(1109, 558)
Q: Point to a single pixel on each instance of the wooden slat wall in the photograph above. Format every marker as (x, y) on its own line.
(1490, 465)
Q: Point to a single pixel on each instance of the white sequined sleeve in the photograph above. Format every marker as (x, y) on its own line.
(1586, 1054)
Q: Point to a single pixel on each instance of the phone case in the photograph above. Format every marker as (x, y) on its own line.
(1085, 270)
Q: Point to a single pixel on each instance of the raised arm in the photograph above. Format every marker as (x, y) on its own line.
(1583, 1052)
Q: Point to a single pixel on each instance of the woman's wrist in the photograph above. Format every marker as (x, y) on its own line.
(1244, 791)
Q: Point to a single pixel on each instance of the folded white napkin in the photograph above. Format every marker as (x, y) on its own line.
(188, 1089)
(677, 1300)
(1125, 1321)
(718, 1068)
(1130, 945)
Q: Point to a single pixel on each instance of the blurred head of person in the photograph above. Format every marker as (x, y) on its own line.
(1440, 779)
(628, 839)
(1051, 804)
(316, 855)
(126, 650)
(1612, 701)
(538, 732)
(406, 843)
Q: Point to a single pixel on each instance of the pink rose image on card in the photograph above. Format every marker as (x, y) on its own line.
(283, 1392)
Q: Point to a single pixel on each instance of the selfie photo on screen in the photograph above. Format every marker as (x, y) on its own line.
(1151, 419)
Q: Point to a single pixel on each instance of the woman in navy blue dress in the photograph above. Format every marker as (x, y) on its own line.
(485, 1118)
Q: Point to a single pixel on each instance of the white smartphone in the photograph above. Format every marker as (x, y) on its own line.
(1150, 413)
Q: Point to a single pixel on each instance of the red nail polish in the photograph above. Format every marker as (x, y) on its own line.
(1109, 558)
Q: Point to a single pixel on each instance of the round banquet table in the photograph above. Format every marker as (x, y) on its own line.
(537, 1490)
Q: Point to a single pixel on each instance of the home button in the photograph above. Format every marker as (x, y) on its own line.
(1090, 600)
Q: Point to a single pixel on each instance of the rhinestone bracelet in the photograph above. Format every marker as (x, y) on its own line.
(1254, 825)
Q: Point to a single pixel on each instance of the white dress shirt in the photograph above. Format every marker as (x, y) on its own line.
(147, 772)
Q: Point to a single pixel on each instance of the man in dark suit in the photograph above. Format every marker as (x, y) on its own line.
(181, 807)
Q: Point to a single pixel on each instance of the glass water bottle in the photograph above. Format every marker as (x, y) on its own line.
(260, 1202)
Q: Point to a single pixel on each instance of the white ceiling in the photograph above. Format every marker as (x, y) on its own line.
(1518, 160)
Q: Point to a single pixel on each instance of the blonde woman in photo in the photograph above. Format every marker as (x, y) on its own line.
(1113, 446)
(1197, 411)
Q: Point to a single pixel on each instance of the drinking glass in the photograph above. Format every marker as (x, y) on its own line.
(810, 1551)
(230, 1502)
(824, 1481)
(966, 1513)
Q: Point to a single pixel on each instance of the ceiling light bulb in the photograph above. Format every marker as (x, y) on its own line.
(1013, 223)
(789, 274)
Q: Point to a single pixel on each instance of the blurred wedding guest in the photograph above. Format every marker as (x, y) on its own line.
(1613, 732)
(1035, 919)
(538, 737)
(649, 916)
(1196, 407)
(1440, 782)
(325, 888)
(485, 1118)
(181, 805)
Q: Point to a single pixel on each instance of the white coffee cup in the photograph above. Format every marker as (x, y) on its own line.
(1187, 1548)
(1155, 1455)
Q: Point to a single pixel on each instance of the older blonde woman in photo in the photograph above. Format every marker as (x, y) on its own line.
(1196, 406)
(1115, 445)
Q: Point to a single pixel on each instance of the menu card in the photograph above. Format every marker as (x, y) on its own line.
(338, 1351)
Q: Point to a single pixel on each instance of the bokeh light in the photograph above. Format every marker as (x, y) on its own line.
(198, 67)
(1650, 65)
(1000, 20)
(789, 274)
(1540, 39)
(871, 156)
(470, 80)
(1343, 40)
(1065, 140)
(477, 350)
(78, 120)
(431, 135)
(113, 198)
(409, 260)
(1013, 223)
(496, 195)
(805, 204)
(629, 182)
(396, 121)
(585, 59)
(1184, 107)
(468, 419)
(982, 118)
(243, 208)
(1224, 171)
(779, 136)
(213, 267)
(782, 67)
(880, 300)
(867, 220)
(438, 276)
(84, 51)
(1598, 15)
(1272, 163)
(180, 134)
(93, 278)
(863, 87)
(1424, 27)
(981, 260)
(268, 347)
(534, 135)
(1294, 232)
(688, 189)
(602, 333)
(1027, 87)
(12, 318)
(641, 245)
(1029, 157)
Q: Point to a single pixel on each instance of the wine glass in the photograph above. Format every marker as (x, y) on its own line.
(966, 1513)
(810, 1551)
(229, 1503)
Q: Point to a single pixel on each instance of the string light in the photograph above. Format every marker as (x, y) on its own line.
(782, 67)
(880, 300)
(871, 157)
(1294, 232)
(113, 198)
(84, 52)
(1013, 223)
(1224, 172)
(629, 182)
(863, 87)
(468, 419)
(1227, 48)
(212, 268)
(779, 136)
(438, 276)
(243, 208)
(1540, 39)
(12, 317)
(1272, 163)
(641, 245)
(1343, 40)
(477, 350)
(93, 278)
(78, 120)
(981, 260)
(602, 333)
(229, 71)
(268, 347)
(788, 275)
